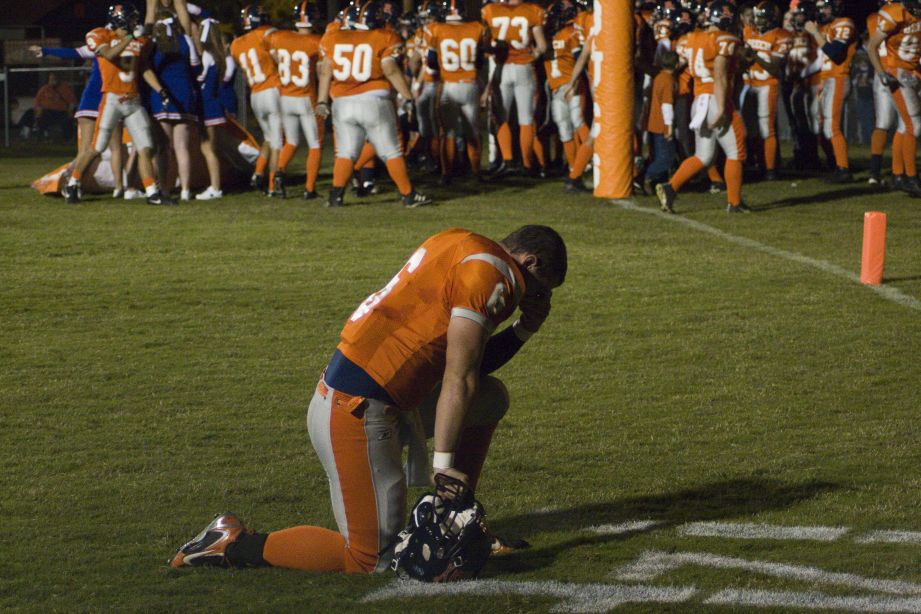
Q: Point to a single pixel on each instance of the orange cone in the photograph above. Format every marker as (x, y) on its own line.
(874, 248)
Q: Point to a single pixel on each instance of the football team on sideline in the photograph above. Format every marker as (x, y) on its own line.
(431, 89)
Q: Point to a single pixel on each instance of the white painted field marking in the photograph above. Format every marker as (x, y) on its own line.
(635, 526)
(890, 537)
(744, 530)
(573, 597)
(654, 563)
(814, 601)
(887, 292)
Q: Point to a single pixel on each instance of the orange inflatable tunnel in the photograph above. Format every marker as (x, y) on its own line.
(237, 151)
(612, 57)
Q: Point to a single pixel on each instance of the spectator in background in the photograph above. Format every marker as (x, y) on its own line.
(54, 105)
(862, 79)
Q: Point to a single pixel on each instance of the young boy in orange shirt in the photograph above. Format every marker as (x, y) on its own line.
(661, 120)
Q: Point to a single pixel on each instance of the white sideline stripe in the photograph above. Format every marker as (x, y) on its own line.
(887, 292)
(635, 526)
(574, 597)
(814, 601)
(761, 531)
(654, 563)
(890, 537)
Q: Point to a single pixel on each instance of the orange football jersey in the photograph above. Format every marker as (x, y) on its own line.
(296, 59)
(398, 335)
(457, 46)
(583, 24)
(700, 52)
(514, 24)
(355, 57)
(685, 80)
(903, 37)
(873, 26)
(841, 30)
(421, 46)
(771, 46)
(121, 75)
(565, 45)
(251, 53)
(802, 54)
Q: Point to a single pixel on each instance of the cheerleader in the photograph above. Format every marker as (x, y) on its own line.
(213, 63)
(173, 60)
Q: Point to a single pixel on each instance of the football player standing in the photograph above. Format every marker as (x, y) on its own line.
(252, 53)
(359, 69)
(122, 51)
(296, 54)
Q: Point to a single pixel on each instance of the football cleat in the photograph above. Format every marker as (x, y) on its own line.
(840, 175)
(310, 194)
(257, 182)
(335, 197)
(912, 186)
(770, 175)
(415, 199)
(575, 186)
(278, 186)
(158, 198)
(133, 194)
(740, 208)
(72, 193)
(717, 187)
(666, 196)
(210, 546)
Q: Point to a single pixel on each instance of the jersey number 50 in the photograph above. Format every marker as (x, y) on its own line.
(352, 60)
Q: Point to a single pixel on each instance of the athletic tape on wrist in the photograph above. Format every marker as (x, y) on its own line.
(443, 460)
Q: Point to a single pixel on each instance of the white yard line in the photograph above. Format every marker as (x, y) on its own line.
(636, 526)
(746, 530)
(887, 292)
(573, 597)
(814, 601)
(654, 563)
(890, 537)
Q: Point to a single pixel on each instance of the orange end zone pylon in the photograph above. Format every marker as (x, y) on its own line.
(874, 248)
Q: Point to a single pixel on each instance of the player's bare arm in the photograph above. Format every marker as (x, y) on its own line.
(324, 78)
(540, 41)
(466, 341)
(391, 70)
(578, 67)
(720, 89)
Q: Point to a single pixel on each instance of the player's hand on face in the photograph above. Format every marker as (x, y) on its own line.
(121, 33)
(535, 307)
(35, 50)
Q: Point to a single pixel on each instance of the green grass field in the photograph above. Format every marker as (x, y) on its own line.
(157, 364)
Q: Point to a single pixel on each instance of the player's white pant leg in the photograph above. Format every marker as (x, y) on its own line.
(827, 102)
(762, 94)
(350, 133)
(507, 88)
(731, 137)
(814, 110)
(425, 108)
(909, 91)
(138, 123)
(562, 115)
(575, 112)
(267, 109)
(525, 83)
(493, 144)
(106, 121)
(459, 104)
(379, 119)
(886, 113)
(297, 117)
(383, 452)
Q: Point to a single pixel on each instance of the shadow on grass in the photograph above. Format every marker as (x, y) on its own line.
(892, 280)
(822, 197)
(717, 501)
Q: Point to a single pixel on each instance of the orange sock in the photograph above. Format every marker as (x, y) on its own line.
(770, 152)
(878, 142)
(582, 158)
(898, 165)
(582, 133)
(688, 169)
(366, 155)
(526, 141)
(342, 172)
(314, 156)
(261, 162)
(733, 173)
(397, 169)
(146, 181)
(909, 151)
(540, 154)
(839, 144)
(287, 152)
(448, 154)
(76, 174)
(714, 174)
(504, 137)
(569, 150)
(306, 548)
(472, 449)
(473, 154)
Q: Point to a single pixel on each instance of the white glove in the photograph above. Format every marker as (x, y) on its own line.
(138, 31)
